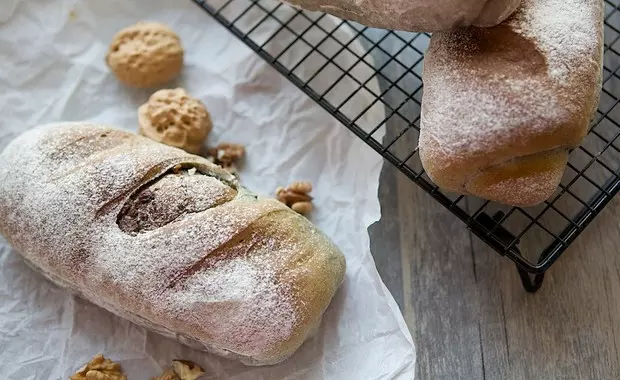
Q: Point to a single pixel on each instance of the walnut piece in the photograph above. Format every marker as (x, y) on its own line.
(187, 370)
(302, 187)
(100, 368)
(173, 117)
(146, 54)
(168, 374)
(181, 370)
(226, 155)
(302, 207)
(296, 196)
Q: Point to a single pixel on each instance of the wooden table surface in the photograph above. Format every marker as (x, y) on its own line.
(465, 306)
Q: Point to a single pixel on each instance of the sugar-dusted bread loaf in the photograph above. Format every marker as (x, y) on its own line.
(167, 240)
(503, 106)
(415, 15)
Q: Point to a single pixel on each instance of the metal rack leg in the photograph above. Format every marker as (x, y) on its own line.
(531, 283)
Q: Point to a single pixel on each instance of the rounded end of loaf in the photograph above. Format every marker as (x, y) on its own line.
(524, 181)
(313, 273)
(276, 285)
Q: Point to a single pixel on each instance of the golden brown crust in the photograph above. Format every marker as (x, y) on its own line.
(523, 181)
(245, 278)
(502, 106)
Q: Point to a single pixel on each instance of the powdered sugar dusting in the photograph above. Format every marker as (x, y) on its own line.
(489, 118)
(529, 188)
(253, 308)
(525, 87)
(214, 276)
(188, 235)
(562, 30)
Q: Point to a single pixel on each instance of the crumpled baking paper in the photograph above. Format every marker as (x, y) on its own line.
(52, 69)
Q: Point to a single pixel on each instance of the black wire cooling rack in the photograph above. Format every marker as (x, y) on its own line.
(395, 59)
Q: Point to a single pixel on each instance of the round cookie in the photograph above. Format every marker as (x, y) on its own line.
(174, 118)
(145, 55)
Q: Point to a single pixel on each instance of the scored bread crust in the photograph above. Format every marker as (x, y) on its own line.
(415, 15)
(233, 273)
(503, 106)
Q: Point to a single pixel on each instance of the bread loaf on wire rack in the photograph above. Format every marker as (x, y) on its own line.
(167, 240)
(503, 106)
(415, 15)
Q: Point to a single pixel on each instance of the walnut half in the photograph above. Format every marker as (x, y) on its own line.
(181, 370)
(187, 370)
(226, 155)
(100, 368)
(296, 196)
(168, 374)
(173, 117)
(146, 54)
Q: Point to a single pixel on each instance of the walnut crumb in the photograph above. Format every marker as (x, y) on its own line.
(181, 370)
(302, 187)
(226, 155)
(168, 374)
(100, 368)
(187, 370)
(296, 196)
(302, 207)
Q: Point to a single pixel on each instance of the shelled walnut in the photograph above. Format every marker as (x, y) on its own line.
(146, 54)
(181, 370)
(296, 196)
(168, 374)
(100, 368)
(187, 370)
(173, 117)
(226, 155)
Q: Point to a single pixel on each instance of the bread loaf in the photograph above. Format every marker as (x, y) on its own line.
(167, 240)
(415, 15)
(503, 106)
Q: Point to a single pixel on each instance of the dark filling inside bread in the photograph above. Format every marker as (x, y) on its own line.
(170, 198)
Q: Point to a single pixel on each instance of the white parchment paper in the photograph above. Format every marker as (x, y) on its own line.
(52, 69)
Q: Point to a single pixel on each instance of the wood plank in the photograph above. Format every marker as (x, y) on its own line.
(440, 296)
(562, 332)
(461, 318)
(385, 236)
(465, 305)
(565, 331)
